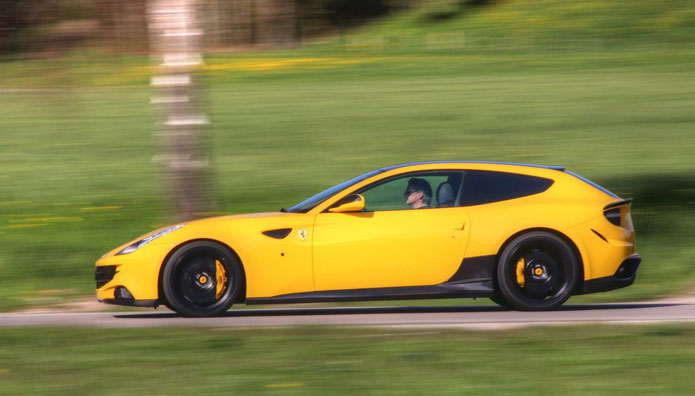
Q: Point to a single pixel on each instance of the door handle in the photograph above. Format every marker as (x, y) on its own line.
(460, 227)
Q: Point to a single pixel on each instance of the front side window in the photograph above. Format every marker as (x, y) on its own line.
(419, 190)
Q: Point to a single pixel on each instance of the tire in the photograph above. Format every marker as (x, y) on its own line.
(499, 300)
(537, 271)
(202, 279)
(163, 301)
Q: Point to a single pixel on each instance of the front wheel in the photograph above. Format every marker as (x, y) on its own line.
(202, 279)
(499, 300)
(537, 271)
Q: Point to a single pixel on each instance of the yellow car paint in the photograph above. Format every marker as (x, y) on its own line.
(367, 249)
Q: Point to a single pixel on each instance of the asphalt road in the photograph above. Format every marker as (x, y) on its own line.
(419, 317)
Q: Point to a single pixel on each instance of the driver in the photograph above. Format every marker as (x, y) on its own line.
(418, 194)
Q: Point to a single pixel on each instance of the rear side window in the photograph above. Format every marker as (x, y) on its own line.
(482, 187)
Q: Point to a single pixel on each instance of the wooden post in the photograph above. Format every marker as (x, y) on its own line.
(175, 38)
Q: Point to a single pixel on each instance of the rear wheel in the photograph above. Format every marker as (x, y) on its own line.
(537, 271)
(202, 279)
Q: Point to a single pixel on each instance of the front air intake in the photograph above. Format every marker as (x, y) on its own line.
(104, 274)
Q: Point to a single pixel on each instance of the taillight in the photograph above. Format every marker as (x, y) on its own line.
(613, 215)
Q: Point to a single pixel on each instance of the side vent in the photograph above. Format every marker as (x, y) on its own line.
(280, 233)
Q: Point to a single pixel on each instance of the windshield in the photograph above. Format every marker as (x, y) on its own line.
(310, 203)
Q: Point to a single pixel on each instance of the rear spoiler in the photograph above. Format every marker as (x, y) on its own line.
(617, 203)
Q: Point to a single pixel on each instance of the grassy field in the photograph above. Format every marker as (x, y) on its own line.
(613, 103)
(610, 360)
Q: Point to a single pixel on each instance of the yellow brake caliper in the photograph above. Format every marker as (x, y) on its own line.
(221, 278)
(520, 272)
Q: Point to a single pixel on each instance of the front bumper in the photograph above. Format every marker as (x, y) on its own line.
(136, 273)
(623, 277)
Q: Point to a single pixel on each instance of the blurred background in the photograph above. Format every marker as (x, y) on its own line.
(120, 116)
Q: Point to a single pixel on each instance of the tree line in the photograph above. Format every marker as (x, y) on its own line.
(52, 26)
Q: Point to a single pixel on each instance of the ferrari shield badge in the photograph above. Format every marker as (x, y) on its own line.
(302, 234)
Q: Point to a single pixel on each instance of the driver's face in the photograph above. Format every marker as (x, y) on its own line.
(412, 196)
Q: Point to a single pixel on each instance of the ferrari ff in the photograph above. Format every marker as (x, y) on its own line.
(526, 236)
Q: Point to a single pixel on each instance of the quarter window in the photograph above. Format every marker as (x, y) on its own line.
(482, 187)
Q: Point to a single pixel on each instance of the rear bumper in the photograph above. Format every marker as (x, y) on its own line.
(623, 277)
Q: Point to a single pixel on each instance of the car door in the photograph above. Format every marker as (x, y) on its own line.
(389, 244)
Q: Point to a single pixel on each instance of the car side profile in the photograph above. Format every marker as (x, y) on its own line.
(526, 236)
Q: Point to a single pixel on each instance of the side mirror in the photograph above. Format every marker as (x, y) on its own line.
(351, 203)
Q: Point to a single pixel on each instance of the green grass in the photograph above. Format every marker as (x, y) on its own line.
(613, 103)
(600, 360)
(547, 24)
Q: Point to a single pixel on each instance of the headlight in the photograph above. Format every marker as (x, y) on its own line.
(144, 241)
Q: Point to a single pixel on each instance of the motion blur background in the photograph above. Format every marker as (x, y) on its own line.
(303, 94)
(293, 96)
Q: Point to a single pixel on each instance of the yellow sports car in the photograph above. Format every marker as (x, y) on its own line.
(526, 236)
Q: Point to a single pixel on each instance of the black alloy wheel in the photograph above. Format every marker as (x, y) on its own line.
(537, 271)
(202, 279)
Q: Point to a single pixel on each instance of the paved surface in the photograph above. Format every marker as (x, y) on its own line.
(424, 317)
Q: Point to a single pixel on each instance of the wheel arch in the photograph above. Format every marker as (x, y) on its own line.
(575, 250)
(160, 288)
